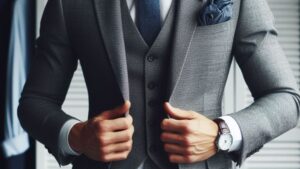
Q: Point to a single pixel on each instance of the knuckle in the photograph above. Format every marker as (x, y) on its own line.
(95, 123)
(102, 150)
(98, 126)
(126, 122)
(128, 145)
(189, 151)
(131, 131)
(128, 136)
(189, 159)
(102, 126)
(129, 119)
(102, 140)
(104, 158)
(171, 158)
(187, 127)
(164, 135)
(124, 155)
(164, 123)
(187, 140)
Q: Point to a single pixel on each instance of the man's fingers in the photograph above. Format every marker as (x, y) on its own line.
(171, 138)
(115, 124)
(116, 112)
(176, 126)
(115, 148)
(122, 136)
(177, 149)
(116, 137)
(115, 156)
(177, 113)
(121, 123)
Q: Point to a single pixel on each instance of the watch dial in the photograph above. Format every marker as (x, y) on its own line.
(225, 142)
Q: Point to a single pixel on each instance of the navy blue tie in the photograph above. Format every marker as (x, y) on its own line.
(148, 19)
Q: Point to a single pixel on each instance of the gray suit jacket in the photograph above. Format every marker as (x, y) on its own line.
(90, 31)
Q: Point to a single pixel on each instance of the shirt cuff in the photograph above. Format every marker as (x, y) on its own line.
(16, 145)
(235, 132)
(64, 145)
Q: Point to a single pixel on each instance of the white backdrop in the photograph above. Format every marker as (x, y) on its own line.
(282, 153)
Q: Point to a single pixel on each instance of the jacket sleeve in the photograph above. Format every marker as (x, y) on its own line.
(268, 76)
(40, 109)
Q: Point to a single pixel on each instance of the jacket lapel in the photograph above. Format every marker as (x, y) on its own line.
(185, 25)
(108, 13)
(109, 18)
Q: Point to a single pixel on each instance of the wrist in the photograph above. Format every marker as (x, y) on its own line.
(224, 139)
(74, 137)
(235, 132)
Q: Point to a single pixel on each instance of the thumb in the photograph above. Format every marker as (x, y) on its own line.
(179, 114)
(117, 112)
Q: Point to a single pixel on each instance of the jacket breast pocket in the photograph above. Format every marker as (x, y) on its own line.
(215, 28)
(220, 30)
(213, 40)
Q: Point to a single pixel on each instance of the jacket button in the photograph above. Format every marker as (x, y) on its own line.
(152, 103)
(152, 85)
(151, 58)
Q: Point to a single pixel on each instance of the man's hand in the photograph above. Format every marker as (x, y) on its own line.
(188, 136)
(107, 137)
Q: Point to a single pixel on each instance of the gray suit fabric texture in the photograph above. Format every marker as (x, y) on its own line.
(92, 32)
(147, 71)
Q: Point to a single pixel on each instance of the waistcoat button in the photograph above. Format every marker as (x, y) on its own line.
(151, 58)
(152, 103)
(152, 85)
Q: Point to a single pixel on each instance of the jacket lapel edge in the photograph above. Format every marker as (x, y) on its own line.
(185, 26)
(108, 14)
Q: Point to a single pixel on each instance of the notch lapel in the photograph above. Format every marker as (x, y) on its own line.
(185, 25)
(108, 13)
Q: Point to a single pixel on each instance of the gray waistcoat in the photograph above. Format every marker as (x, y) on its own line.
(147, 71)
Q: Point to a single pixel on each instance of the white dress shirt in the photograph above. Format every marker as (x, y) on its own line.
(232, 124)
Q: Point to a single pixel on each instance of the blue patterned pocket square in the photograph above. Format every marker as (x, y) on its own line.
(216, 11)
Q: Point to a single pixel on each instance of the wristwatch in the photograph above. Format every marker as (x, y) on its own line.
(224, 139)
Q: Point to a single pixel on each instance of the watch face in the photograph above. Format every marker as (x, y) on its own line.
(225, 142)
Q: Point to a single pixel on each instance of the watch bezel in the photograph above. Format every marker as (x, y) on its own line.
(224, 131)
(221, 136)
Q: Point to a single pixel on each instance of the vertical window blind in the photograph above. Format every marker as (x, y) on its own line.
(282, 153)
